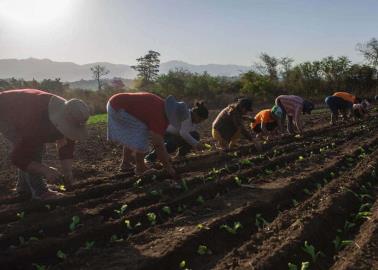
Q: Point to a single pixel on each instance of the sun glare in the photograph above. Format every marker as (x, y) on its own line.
(31, 13)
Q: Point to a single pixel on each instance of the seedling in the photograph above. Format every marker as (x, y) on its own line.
(21, 215)
(115, 238)
(339, 244)
(295, 202)
(246, 162)
(234, 229)
(151, 218)
(138, 183)
(128, 224)
(207, 146)
(238, 181)
(48, 207)
(167, 210)
(61, 255)
(61, 187)
(183, 266)
(305, 266)
(307, 191)
(260, 221)
(300, 158)
(202, 227)
(292, 266)
(310, 250)
(122, 210)
(365, 206)
(363, 215)
(184, 185)
(348, 225)
(155, 193)
(200, 200)
(39, 266)
(74, 223)
(89, 245)
(33, 238)
(203, 250)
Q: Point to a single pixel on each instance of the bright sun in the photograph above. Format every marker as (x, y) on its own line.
(31, 13)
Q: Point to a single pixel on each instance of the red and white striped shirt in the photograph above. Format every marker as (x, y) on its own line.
(293, 105)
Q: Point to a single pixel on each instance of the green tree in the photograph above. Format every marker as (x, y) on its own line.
(98, 72)
(370, 51)
(148, 67)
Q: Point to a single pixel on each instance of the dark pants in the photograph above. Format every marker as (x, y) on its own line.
(269, 126)
(172, 143)
(337, 104)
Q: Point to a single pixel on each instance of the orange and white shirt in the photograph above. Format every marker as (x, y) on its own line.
(345, 96)
(264, 116)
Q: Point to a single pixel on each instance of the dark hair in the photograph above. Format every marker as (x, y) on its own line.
(201, 110)
(245, 103)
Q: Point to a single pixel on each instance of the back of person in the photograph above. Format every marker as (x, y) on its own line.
(263, 116)
(224, 122)
(345, 96)
(291, 104)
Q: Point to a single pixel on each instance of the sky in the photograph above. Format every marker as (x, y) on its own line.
(194, 31)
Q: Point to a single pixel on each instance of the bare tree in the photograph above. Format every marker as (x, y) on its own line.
(370, 51)
(98, 72)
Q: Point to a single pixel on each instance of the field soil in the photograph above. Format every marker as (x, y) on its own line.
(308, 200)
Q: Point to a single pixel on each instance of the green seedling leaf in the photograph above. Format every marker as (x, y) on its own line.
(182, 264)
(155, 192)
(307, 191)
(207, 146)
(128, 224)
(21, 215)
(246, 162)
(33, 238)
(295, 202)
(260, 222)
(365, 206)
(232, 230)
(89, 245)
(184, 185)
(300, 158)
(348, 225)
(74, 223)
(151, 218)
(203, 250)
(310, 250)
(114, 238)
(267, 171)
(39, 266)
(61, 255)
(200, 200)
(238, 181)
(363, 215)
(167, 210)
(292, 266)
(305, 266)
(61, 187)
(122, 210)
(138, 183)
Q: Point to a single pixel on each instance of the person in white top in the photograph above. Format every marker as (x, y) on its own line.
(185, 138)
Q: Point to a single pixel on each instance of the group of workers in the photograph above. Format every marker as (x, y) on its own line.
(30, 118)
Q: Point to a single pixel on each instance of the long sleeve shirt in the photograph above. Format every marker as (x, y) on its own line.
(293, 106)
(25, 122)
(187, 126)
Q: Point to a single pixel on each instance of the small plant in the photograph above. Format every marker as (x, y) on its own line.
(300, 158)
(305, 266)
(48, 207)
(89, 245)
(203, 250)
(61, 187)
(292, 266)
(200, 200)
(39, 266)
(61, 255)
(121, 210)
(138, 183)
(295, 202)
(184, 185)
(75, 222)
(267, 171)
(260, 222)
(21, 215)
(339, 243)
(238, 181)
(151, 218)
(348, 225)
(234, 229)
(365, 206)
(183, 265)
(310, 250)
(207, 146)
(167, 210)
(128, 224)
(246, 162)
(307, 191)
(363, 215)
(202, 227)
(33, 238)
(114, 238)
(156, 193)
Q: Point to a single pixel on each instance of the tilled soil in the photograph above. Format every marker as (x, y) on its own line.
(309, 200)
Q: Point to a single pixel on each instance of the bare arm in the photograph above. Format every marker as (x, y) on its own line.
(158, 142)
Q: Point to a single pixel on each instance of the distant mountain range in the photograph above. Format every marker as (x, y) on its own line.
(40, 69)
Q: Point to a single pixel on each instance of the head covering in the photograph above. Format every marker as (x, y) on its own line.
(176, 111)
(69, 117)
(245, 103)
(277, 111)
(308, 106)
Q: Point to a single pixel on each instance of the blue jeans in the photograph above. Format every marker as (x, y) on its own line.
(172, 143)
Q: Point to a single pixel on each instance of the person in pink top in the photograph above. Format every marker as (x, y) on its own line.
(29, 118)
(292, 107)
(134, 118)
